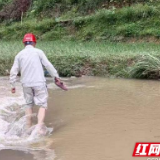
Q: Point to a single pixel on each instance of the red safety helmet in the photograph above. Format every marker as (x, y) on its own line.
(29, 37)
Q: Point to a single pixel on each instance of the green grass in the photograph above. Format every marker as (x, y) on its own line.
(77, 43)
(98, 49)
(89, 58)
(78, 48)
(137, 21)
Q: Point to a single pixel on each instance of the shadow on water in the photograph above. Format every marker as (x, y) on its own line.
(27, 154)
(7, 154)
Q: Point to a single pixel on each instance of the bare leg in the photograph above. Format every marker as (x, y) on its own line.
(41, 116)
(29, 113)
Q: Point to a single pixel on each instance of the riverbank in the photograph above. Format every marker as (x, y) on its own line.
(134, 60)
(138, 22)
(120, 41)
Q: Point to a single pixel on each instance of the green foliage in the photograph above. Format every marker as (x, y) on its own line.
(3, 3)
(136, 12)
(129, 30)
(134, 21)
(91, 58)
(84, 6)
(55, 34)
(43, 5)
(67, 21)
(18, 30)
(147, 67)
(105, 24)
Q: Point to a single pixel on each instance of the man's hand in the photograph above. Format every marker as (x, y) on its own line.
(13, 90)
(60, 84)
(57, 80)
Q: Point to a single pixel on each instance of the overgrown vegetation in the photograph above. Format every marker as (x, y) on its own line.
(139, 21)
(93, 59)
(84, 29)
(81, 6)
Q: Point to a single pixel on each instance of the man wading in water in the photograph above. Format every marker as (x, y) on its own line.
(29, 63)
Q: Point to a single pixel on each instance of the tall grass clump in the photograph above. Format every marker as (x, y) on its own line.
(148, 67)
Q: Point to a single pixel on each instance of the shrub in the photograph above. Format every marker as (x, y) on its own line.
(147, 67)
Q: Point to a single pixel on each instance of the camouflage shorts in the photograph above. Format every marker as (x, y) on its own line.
(36, 96)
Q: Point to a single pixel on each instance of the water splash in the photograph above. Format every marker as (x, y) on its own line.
(13, 128)
(13, 132)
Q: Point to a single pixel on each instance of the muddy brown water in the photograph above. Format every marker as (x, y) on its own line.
(99, 119)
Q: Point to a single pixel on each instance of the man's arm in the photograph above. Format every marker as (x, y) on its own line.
(13, 73)
(47, 64)
(52, 71)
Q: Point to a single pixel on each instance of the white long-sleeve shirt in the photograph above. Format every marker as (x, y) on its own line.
(29, 63)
